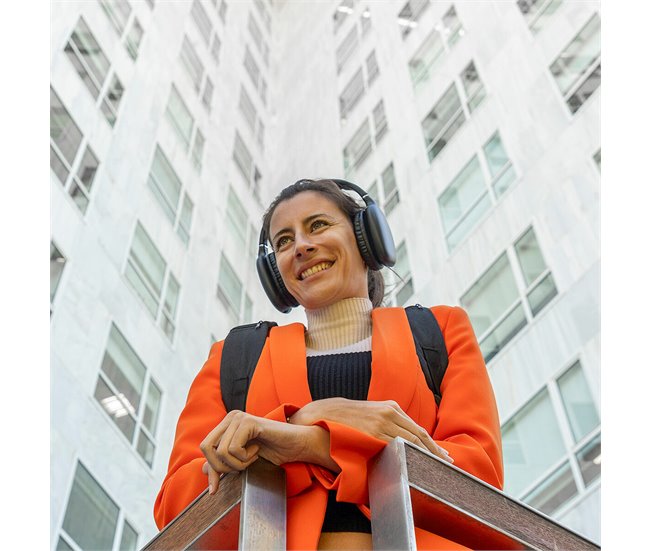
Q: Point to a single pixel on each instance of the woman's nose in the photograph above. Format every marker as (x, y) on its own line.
(303, 245)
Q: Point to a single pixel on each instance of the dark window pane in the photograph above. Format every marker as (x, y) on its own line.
(118, 409)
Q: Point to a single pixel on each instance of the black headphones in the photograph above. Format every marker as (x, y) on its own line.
(373, 236)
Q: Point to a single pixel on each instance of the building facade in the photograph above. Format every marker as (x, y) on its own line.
(476, 126)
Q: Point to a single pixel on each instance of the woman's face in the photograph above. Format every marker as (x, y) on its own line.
(316, 251)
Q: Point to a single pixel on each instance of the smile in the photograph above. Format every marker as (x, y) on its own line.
(315, 269)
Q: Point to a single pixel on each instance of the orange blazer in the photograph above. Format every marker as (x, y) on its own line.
(466, 423)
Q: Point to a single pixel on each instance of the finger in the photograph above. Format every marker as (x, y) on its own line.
(232, 448)
(213, 481)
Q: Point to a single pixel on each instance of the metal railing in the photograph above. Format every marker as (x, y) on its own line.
(408, 487)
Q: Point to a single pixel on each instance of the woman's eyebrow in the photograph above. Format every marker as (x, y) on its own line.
(304, 222)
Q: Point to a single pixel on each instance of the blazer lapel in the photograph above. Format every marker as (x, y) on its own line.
(289, 364)
(395, 362)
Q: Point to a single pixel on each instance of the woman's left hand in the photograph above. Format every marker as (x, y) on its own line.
(240, 438)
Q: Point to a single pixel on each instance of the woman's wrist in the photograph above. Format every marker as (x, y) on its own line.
(317, 450)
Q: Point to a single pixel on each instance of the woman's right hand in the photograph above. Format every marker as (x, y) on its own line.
(384, 420)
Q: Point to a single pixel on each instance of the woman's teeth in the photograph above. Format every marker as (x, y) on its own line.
(315, 269)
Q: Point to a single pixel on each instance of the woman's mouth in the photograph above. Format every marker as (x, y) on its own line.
(315, 269)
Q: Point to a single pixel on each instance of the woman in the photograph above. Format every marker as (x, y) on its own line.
(324, 401)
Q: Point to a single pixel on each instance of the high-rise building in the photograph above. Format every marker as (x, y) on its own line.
(475, 125)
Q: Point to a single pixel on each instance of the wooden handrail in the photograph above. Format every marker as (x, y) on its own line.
(248, 513)
(410, 487)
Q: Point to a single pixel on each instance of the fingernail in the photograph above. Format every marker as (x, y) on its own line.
(210, 489)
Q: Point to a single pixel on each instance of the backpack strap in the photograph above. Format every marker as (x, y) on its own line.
(241, 351)
(430, 346)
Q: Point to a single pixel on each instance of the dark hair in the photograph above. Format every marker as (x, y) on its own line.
(342, 200)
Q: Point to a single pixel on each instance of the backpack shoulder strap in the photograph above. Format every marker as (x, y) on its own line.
(241, 351)
(430, 346)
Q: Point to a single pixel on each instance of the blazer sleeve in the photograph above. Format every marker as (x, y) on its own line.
(467, 420)
(204, 410)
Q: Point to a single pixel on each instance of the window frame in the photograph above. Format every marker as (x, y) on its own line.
(139, 425)
(121, 517)
(571, 447)
(73, 180)
(105, 88)
(160, 299)
(522, 291)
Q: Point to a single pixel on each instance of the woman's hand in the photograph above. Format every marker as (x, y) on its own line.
(240, 438)
(383, 420)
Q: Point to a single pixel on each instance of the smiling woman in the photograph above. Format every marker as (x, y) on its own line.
(324, 400)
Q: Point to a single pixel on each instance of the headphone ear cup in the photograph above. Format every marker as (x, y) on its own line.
(272, 283)
(374, 238)
(363, 241)
(380, 238)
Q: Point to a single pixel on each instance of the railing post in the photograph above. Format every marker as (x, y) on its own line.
(390, 501)
(248, 512)
(411, 487)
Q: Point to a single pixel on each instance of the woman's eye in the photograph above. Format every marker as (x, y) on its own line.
(318, 224)
(282, 242)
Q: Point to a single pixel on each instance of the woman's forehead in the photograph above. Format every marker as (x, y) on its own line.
(301, 206)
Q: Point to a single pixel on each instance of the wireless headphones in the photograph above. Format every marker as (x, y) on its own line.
(373, 236)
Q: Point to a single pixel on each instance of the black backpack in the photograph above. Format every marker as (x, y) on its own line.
(244, 344)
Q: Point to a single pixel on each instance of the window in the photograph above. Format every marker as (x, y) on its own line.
(166, 187)
(366, 22)
(380, 122)
(345, 8)
(498, 306)
(57, 263)
(71, 159)
(180, 117)
(452, 29)
(192, 63)
(184, 127)
(253, 71)
(357, 86)
(577, 69)
(442, 122)
(216, 47)
(266, 17)
(231, 292)
(438, 41)
(352, 93)
(536, 12)
(208, 89)
(422, 62)
(92, 518)
(258, 39)
(597, 159)
(93, 68)
(148, 273)
(546, 466)
(202, 21)
(247, 109)
(465, 200)
(400, 280)
(347, 47)
(358, 148)
(408, 16)
(384, 191)
(129, 395)
(473, 87)
(118, 12)
(372, 69)
(223, 7)
(133, 39)
(237, 221)
(244, 161)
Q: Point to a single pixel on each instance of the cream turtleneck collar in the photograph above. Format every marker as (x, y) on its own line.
(338, 325)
